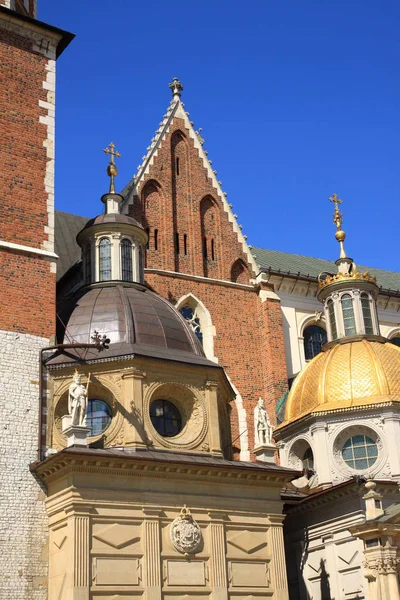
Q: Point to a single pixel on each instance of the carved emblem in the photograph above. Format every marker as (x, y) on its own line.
(185, 533)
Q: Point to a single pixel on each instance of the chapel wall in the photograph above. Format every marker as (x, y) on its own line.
(23, 521)
(122, 540)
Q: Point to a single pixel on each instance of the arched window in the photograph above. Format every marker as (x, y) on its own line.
(366, 311)
(308, 459)
(349, 321)
(105, 259)
(88, 262)
(191, 317)
(395, 341)
(332, 320)
(126, 260)
(314, 338)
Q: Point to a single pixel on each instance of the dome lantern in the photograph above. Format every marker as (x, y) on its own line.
(113, 243)
(349, 296)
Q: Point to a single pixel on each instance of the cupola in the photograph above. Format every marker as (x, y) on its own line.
(348, 296)
(112, 243)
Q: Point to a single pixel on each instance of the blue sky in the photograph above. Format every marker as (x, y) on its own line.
(297, 100)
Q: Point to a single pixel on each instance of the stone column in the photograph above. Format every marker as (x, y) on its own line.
(79, 563)
(278, 562)
(321, 455)
(332, 572)
(152, 553)
(218, 557)
(212, 402)
(392, 431)
(134, 434)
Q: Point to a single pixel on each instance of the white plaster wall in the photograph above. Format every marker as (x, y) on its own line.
(23, 525)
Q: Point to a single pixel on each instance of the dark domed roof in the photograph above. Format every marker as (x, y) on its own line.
(136, 320)
(112, 218)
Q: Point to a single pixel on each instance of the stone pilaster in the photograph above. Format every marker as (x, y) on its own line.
(278, 562)
(152, 553)
(134, 434)
(212, 402)
(218, 560)
(80, 557)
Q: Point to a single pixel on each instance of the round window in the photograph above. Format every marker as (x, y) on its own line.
(360, 452)
(166, 418)
(98, 416)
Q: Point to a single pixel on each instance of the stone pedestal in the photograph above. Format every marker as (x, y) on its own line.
(76, 434)
(265, 452)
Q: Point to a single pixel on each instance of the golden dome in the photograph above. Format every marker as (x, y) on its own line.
(350, 374)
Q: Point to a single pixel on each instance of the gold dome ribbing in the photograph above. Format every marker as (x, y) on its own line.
(347, 375)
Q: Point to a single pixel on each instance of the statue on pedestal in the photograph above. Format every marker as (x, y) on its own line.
(77, 400)
(262, 425)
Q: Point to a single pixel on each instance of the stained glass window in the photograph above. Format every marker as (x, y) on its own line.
(332, 320)
(314, 339)
(126, 260)
(348, 315)
(105, 259)
(98, 416)
(191, 317)
(166, 418)
(360, 452)
(366, 311)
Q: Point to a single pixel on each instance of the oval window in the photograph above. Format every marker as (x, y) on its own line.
(98, 417)
(166, 418)
(360, 452)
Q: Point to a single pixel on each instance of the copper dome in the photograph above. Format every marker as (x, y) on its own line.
(136, 320)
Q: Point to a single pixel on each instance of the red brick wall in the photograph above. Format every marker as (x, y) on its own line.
(26, 284)
(178, 208)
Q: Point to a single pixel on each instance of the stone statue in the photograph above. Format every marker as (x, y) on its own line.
(262, 425)
(77, 400)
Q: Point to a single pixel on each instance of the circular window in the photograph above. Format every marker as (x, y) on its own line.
(360, 452)
(98, 416)
(166, 418)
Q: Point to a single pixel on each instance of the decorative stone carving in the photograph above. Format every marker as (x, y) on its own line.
(77, 400)
(262, 425)
(185, 533)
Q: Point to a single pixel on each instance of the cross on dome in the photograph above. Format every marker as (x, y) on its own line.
(337, 219)
(112, 170)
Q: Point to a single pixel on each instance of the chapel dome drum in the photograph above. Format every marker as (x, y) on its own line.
(135, 319)
(347, 375)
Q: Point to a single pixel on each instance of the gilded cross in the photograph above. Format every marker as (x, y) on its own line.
(110, 150)
(112, 170)
(337, 215)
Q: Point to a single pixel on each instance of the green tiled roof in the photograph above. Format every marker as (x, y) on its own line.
(306, 266)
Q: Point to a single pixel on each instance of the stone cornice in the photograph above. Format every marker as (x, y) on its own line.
(199, 278)
(90, 461)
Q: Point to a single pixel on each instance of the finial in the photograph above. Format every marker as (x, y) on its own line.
(176, 88)
(112, 170)
(337, 220)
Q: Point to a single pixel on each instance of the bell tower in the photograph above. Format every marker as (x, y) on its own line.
(28, 52)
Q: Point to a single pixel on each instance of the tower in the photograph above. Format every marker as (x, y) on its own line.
(341, 427)
(28, 53)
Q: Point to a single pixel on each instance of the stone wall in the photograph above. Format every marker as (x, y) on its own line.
(23, 523)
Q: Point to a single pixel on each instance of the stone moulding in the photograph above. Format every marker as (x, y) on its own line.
(67, 462)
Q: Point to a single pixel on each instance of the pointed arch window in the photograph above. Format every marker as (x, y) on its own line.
(126, 260)
(367, 316)
(190, 314)
(332, 320)
(105, 259)
(349, 321)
